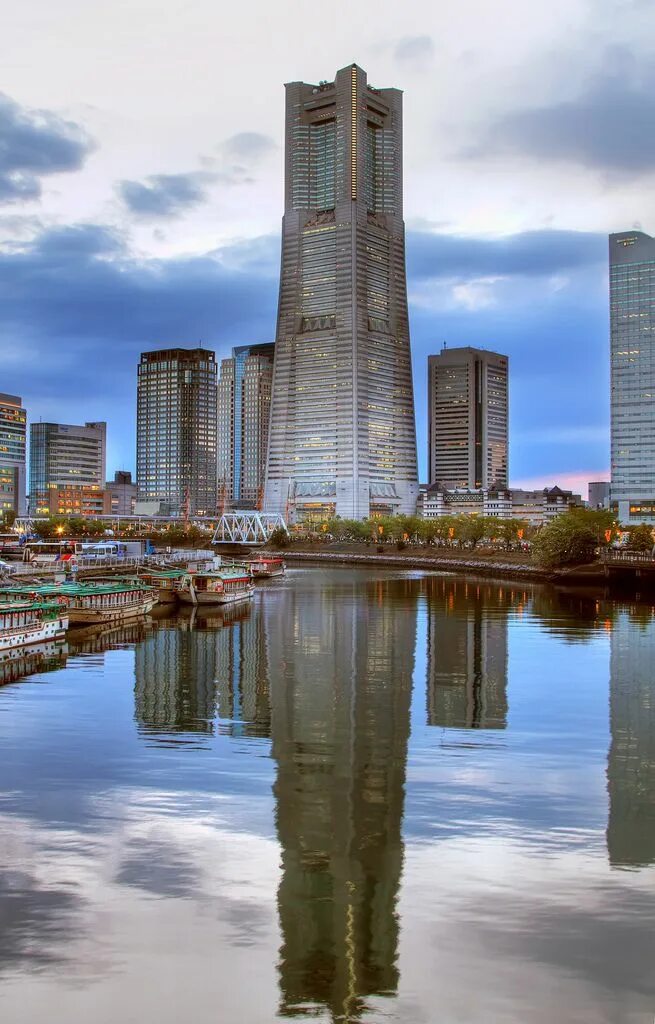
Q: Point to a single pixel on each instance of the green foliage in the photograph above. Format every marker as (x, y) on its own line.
(280, 538)
(569, 539)
(8, 518)
(641, 538)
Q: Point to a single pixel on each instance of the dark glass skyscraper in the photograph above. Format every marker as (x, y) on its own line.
(244, 410)
(176, 429)
(342, 437)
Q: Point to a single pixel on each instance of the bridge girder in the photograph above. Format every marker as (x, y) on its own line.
(247, 527)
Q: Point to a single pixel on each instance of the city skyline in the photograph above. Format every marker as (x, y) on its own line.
(158, 210)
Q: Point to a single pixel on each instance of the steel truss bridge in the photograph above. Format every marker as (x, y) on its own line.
(247, 527)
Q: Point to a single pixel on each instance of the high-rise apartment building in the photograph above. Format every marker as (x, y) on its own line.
(13, 440)
(632, 343)
(244, 408)
(468, 418)
(176, 429)
(342, 437)
(67, 468)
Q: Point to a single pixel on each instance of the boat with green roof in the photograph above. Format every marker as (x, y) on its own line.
(89, 603)
(27, 622)
(217, 587)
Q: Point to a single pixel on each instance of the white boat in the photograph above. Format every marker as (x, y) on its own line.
(31, 622)
(266, 566)
(89, 603)
(215, 588)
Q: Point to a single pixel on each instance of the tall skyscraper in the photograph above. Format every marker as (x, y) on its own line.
(13, 440)
(176, 429)
(632, 342)
(67, 468)
(244, 409)
(342, 436)
(468, 418)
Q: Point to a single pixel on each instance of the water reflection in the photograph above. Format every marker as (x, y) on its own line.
(340, 727)
(631, 761)
(467, 654)
(175, 681)
(361, 872)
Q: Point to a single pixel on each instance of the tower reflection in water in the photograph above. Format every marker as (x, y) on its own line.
(340, 702)
(178, 667)
(631, 760)
(467, 653)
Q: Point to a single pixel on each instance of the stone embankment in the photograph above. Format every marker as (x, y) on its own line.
(590, 575)
(454, 565)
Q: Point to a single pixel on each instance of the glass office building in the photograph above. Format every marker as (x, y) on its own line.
(176, 430)
(468, 418)
(632, 342)
(244, 405)
(67, 468)
(13, 441)
(342, 435)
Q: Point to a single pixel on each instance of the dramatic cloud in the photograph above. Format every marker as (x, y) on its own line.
(35, 143)
(529, 253)
(414, 49)
(75, 298)
(165, 195)
(608, 127)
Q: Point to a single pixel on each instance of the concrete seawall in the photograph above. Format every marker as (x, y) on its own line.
(470, 565)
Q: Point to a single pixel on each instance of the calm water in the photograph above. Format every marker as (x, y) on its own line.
(369, 797)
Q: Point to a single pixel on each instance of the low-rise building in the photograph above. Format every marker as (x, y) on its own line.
(120, 494)
(599, 494)
(87, 501)
(536, 507)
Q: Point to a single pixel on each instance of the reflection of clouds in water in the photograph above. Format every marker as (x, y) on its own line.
(518, 938)
(36, 920)
(215, 886)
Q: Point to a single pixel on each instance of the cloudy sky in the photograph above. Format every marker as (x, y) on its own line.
(141, 191)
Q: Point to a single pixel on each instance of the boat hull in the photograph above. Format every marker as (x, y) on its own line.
(38, 633)
(211, 599)
(93, 616)
(266, 574)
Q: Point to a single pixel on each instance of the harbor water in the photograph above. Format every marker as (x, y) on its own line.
(365, 795)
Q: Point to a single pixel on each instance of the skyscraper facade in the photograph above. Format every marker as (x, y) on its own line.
(632, 343)
(342, 437)
(13, 441)
(468, 418)
(244, 408)
(176, 429)
(67, 468)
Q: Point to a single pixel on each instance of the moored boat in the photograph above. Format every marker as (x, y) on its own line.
(266, 566)
(215, 588)
(27, 622)
(89, 603)
(165, 583)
